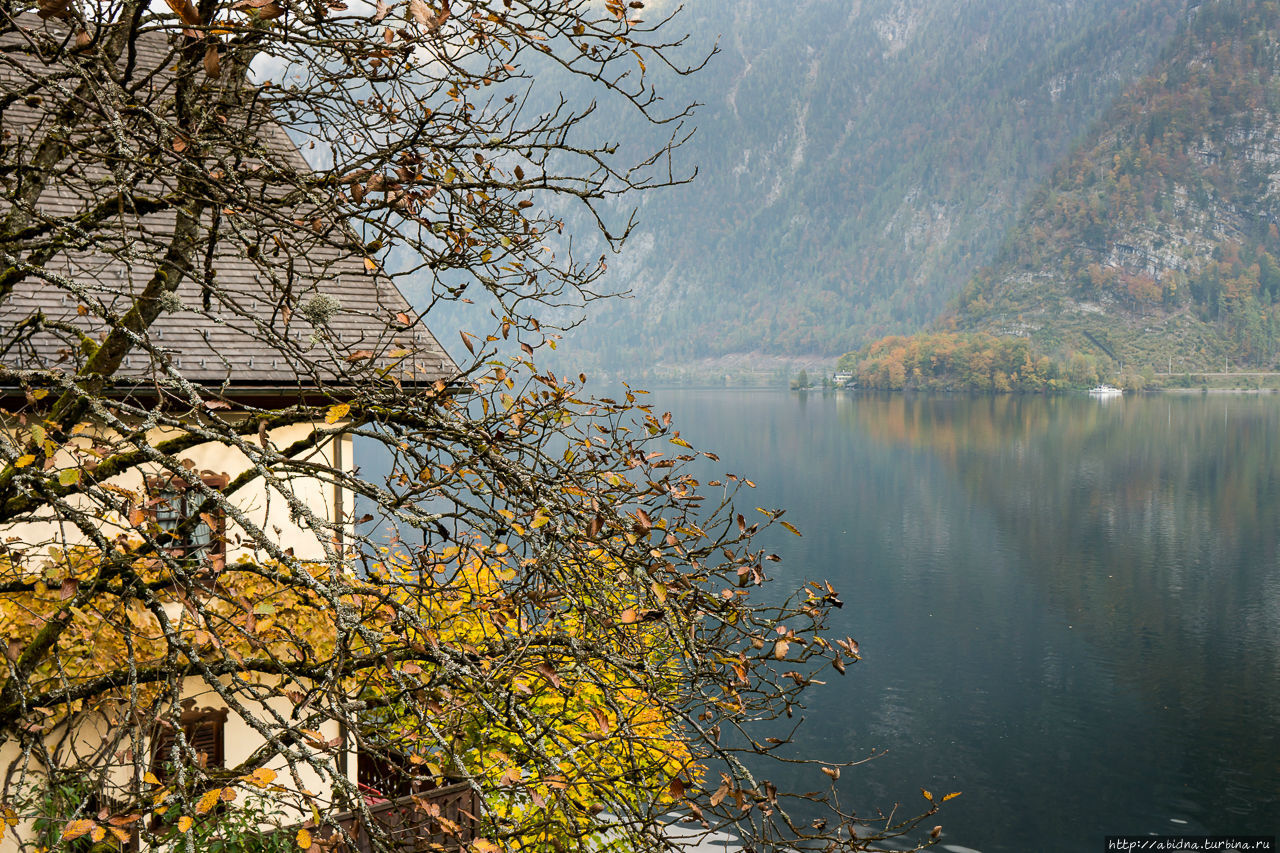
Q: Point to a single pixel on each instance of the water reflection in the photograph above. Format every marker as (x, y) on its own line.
(1069, 611)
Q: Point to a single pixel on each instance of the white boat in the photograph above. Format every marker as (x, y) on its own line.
(1105, 391)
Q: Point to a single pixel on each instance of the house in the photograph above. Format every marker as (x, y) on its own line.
(234, 380)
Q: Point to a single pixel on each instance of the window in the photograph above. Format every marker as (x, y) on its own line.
(173, 505)
(202, 728)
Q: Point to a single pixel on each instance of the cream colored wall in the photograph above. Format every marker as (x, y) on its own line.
(241, 740)
(292, 786)
(264, 504)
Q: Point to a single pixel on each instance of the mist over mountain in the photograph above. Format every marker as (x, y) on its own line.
(858, 161)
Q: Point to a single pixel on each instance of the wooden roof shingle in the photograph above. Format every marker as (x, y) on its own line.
(311, 314)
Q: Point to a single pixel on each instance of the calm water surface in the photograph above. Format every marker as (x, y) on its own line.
(1068, 610)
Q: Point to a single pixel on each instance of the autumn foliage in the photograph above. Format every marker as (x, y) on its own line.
(954, 362)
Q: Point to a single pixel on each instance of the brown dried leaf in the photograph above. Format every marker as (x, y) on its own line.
(420, 12)
(212, 66)
(53, 8)
(549, 673)
(184, 10)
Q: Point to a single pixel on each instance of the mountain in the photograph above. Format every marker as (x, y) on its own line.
(859, 160)
(1156, 242)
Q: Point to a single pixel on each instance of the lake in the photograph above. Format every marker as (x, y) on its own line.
(1068, 609)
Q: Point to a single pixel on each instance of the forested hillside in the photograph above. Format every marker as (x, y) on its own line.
(858, 162)
(1156, 243)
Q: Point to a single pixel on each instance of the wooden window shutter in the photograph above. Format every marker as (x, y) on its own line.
(203, 729)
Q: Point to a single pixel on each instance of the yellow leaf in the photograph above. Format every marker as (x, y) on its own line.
(660, 592)
(98, 834)
(628, 616)
(951, 796)
(24, 460)
(208, 801)
(539, 521)
(928, 796)
(262, 777)
(77, 828)
(150, 778)
(304, 839)
(185, 823)
(69, 477)
(791, 527)
(337, 413)
(484, 845)
(10, 817)
(370, 265)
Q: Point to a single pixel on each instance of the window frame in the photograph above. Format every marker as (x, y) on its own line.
(193, 722)
(162, 489)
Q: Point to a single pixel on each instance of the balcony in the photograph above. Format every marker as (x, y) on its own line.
(433, 821)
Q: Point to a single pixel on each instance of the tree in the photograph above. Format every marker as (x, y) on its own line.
(540, 603)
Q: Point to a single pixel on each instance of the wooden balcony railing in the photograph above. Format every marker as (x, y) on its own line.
(442, 819)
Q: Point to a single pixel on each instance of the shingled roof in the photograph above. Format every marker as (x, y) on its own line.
(279, 321)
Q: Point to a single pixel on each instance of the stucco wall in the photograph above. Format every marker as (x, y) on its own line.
(240, 741)
(264, 505)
